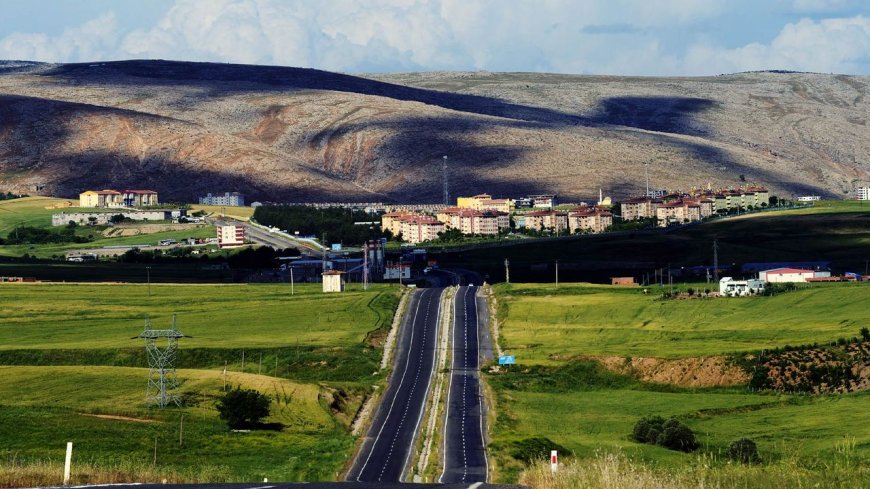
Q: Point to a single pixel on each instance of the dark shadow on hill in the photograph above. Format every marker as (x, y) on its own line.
(661, 114)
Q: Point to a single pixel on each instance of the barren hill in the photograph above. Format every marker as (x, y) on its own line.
(294, 134)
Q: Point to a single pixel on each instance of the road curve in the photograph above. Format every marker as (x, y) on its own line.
(386, 451)
(464, 445)
(291, 485)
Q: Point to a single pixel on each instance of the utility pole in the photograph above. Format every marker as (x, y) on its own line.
(366, 266)
(557, 273)
(291, 281)
(507, 271)
(444, 177)
(715, 261)
(148, 275)
(323, 253)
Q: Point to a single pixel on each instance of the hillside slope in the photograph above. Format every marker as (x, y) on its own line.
(296, 134)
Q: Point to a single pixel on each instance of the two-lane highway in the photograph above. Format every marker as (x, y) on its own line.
(464, 444)
(385, 453)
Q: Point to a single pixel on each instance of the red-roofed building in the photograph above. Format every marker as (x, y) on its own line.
(471, 221)
(678, 212)
(639, 208)
(139, 198)
(589, 220)
(418, 229)
(555, 221)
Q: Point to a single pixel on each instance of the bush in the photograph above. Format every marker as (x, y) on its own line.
(744, 450)
(672, 434)
(243, 408)
(536, 449)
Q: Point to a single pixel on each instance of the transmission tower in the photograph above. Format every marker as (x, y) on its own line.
(161, 363)
(446, 183)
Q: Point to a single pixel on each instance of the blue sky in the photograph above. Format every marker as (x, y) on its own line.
(622, 37)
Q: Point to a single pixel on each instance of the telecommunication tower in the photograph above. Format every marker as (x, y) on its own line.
(161, 363)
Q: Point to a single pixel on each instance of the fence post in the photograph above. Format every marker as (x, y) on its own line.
(67, 462)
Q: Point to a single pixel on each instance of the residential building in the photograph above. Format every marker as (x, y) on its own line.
(418, 229)
(333, 281)
(782, 275)
(863, 193)
(728, 287)
(114, 198)
(485, 202)
(392, 221)
(554, 221)
(397, 271)
(139, 198)
(589, 219)
(101, 198)
(230, 235)
(229, 199)
(705, 206)
(808, 198)
(639, 208)
(102, 218)
(471, 221)
(678, 212)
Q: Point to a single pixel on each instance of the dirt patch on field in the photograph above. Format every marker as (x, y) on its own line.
(685, 372)
(139, 229)
(119, 418)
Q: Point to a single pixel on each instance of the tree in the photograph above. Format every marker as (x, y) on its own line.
(865, 333)
(243, 408)
(117, 219)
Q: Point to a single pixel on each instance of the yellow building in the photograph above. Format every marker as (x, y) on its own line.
(485, 202)
(101, 198)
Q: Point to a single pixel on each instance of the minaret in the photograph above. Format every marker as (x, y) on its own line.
(600, 196)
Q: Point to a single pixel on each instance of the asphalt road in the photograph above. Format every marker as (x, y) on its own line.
(464, 445)
(386, 450)
(297, 485)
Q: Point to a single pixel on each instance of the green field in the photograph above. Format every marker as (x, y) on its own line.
(243, 213)
(542, 322)
(28, 211)
(68, 353)
(553, 393)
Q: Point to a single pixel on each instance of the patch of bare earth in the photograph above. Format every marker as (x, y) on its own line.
(685, 372)
(119, 418)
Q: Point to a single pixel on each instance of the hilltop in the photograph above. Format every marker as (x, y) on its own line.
(294, 134)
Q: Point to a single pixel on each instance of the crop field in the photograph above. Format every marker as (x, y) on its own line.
(70, 370)
(243, 213)
(542, 322)
(556, 394)
(28, 211)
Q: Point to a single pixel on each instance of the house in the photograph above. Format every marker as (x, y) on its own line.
(333, 281)
(392, 221)
(623, 281)
(728, 287)
(555, 221)
(589, 219)
(229, 199)
(485, 202)
(639, 208)
(230, 235)
(782, 275)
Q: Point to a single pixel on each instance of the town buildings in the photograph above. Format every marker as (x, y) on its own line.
(639, 208)
(863, 193)
(485, 202)
(231, 235)
(229, 199)
(728, 287)
(114, 198)
(417, 229)
(471, 221)
(678, 212)
(102, 218)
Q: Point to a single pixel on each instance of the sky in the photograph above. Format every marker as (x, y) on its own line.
(616, 37)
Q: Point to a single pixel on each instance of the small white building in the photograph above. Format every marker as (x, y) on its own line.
(230, 235)
(393, 271)
(728, 287)
(796, 275)
(333, 281)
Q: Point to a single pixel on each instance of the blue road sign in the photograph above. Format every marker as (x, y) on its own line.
(507, 360)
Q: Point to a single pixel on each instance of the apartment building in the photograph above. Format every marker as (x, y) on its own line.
(485, 202)
(639, 208)
(229, 199)
(863, 193)
(114, 198)
(555, 221)
(678, 212)
(471, 221)
(231, 235)
(418, 229)
(589, 219)
(139, 198)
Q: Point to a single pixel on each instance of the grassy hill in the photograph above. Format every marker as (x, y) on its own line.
(70, 370)
(560, 392)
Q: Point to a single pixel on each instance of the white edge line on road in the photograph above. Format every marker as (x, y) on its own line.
(428, 386)
(398, 388)
(475, 485)
(451, 346)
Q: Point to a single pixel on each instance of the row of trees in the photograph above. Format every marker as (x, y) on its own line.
(337, 223)
(33, 235)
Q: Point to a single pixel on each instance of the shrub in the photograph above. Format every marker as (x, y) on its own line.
(672, 434)
(865, 334)
(532, 450)
(744, 450)
(243, 408)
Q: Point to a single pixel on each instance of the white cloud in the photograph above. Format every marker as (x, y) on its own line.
(89, 41)
(615, 37)
(830, 45)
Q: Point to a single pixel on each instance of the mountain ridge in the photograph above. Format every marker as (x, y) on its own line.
(298, 134)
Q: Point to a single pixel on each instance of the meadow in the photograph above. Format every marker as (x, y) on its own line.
(558, 394)
(543, 322)
(68, 353)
